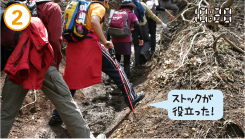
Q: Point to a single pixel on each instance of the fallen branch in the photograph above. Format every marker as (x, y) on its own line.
(232, 44)
(35, 97)
(192, 41)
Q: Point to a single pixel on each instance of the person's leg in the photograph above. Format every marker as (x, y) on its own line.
(165, 4)
(152, 32)
(109, 66)
(137, 48)
(55, 88)
(12, 98)
(127, 65)
(55, 119)
(145, 32)
(118, 57)
(144, 52)
(173, 7)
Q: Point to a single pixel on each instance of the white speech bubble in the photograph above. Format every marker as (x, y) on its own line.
(193, 105)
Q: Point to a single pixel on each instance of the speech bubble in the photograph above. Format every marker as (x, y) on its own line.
(193, 105)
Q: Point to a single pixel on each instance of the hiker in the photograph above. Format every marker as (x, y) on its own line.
(169, 4)
(53, 86)
(86, 58)
(123, 44)
(142, 53)
(154, 7)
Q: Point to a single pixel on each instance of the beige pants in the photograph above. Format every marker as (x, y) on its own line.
(55, 88)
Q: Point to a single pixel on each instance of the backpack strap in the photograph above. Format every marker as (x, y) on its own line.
(103, 19)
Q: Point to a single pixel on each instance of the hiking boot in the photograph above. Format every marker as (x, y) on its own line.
(135, 102)
(55, 120)
(167, 34)
(143, 56)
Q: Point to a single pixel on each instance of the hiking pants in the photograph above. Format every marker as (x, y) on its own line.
(141, 50)
(152, 31)
(109, 67)
(126, 63)
(169, 6)
(55, 88)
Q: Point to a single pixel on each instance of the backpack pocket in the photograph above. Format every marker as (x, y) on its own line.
(120, 33)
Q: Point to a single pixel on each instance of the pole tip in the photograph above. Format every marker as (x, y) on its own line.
(135, 115)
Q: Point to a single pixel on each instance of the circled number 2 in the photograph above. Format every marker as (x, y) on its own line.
(15, 21)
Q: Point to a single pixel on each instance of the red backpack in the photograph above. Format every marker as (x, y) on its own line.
(118, 26)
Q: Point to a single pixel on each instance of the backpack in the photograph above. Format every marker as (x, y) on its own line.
(74, 20)
(118, 26)
(8, 45)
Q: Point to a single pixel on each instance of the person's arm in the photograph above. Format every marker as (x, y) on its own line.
(151, 14)
(95, 21)
(138, 29)
(186, 1)
(51, 15)
(169, 14)
(158, 8)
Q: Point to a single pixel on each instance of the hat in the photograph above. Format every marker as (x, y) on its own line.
(127, 3)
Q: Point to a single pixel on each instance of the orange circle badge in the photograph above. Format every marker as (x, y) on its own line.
(17, 17)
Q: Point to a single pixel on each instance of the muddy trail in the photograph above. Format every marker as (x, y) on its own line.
(185, 61)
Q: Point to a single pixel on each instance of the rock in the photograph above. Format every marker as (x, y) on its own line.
(185, 135)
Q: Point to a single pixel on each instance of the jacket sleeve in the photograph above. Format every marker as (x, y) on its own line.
(139, 11)
(151, 14)
(54, 27)
(158, 8)
(138, 29)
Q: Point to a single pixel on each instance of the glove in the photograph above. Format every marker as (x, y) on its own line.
(164, 25)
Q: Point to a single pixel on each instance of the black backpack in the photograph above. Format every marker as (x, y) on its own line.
(8, 45)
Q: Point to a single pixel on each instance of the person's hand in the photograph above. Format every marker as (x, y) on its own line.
(141, 42)
(164, 25)
(108, 45)
(171, 17)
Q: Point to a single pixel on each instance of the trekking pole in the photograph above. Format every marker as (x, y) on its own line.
(112, 52)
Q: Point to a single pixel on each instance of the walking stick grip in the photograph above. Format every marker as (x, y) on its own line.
(112, 51)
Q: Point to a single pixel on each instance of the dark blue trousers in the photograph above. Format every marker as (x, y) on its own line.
(109, 67)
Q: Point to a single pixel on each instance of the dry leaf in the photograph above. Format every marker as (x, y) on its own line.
(203, 85)
(147, 70)
(222, 76)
